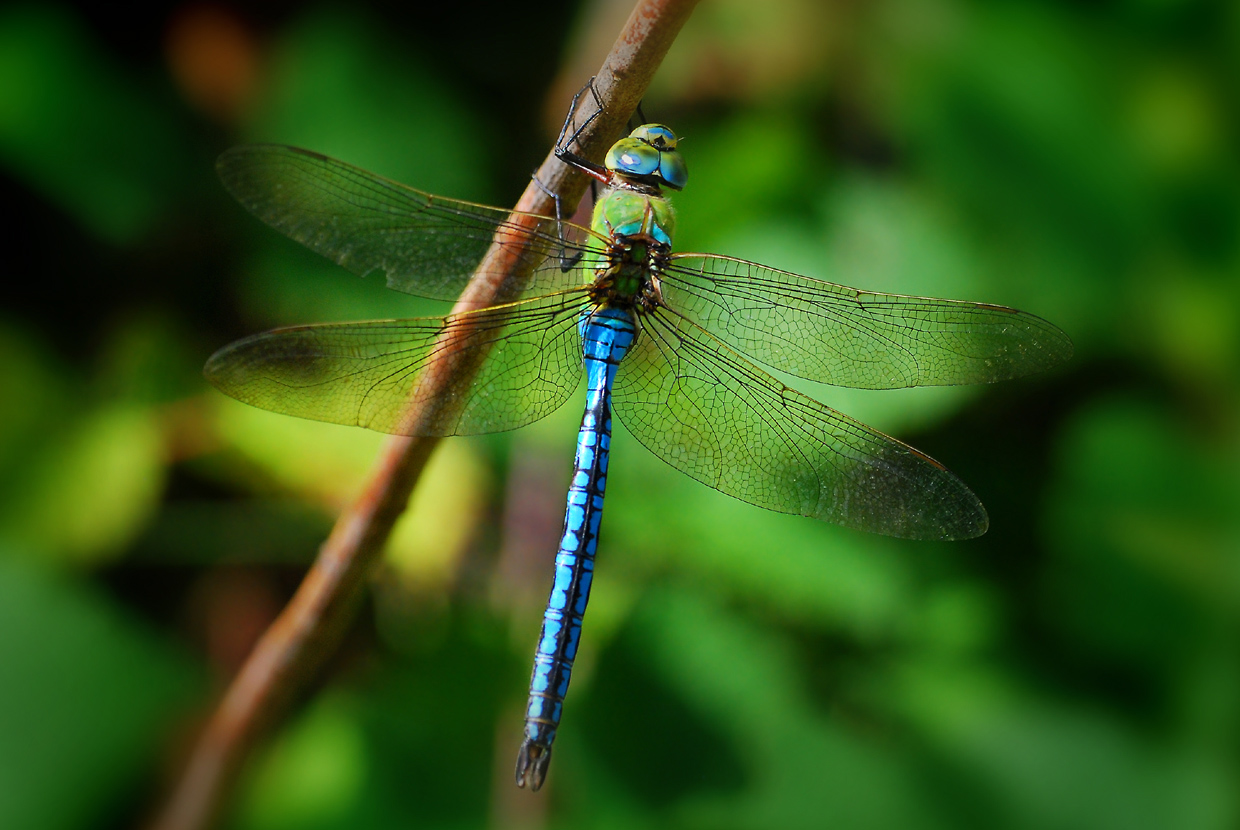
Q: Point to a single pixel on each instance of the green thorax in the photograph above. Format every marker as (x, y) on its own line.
(622, 212)
(636, 223)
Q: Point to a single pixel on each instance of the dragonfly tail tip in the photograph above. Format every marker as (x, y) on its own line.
(532, 762)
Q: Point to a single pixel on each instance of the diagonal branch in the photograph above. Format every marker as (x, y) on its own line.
(310, 627)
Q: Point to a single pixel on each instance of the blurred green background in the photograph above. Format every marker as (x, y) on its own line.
(1077, 667)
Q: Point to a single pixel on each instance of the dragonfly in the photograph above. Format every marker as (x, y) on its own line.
(669, 341)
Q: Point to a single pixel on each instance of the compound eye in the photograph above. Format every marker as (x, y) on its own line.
(632, 156)
(672, 170)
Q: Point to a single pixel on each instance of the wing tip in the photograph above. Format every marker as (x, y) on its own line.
(226, 368)
(966, 524)
(976, 527)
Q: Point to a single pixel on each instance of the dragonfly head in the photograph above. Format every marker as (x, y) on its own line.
(649, 154)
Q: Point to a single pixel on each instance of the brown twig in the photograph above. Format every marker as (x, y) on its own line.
(310, 627)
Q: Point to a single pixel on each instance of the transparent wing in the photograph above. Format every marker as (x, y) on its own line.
(713, 415)
(367, 374)
(427, 245)
(843, 336)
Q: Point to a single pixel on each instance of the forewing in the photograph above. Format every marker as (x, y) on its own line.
(713, 415)
(426, 245)
(843, 336)
(370, 374)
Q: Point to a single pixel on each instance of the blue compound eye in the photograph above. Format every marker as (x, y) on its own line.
(634, 157)
(672, 170)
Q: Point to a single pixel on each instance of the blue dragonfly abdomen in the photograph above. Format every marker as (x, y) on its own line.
(606, 335)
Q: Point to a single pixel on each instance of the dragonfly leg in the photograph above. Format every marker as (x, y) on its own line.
(560, 142)
(567, 263)
(565, 139)
(640, 116)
